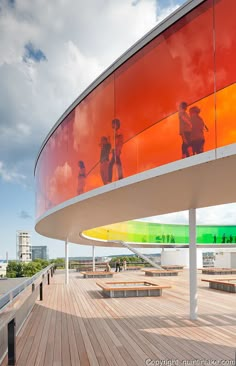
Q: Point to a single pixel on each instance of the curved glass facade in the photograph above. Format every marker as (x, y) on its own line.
(173, 98)
(163, 234)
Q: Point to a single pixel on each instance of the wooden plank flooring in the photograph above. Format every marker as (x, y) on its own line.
(74, 325)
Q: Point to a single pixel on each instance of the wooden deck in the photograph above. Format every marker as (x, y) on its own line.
(75, 325)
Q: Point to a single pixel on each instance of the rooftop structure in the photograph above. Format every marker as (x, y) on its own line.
(39, 252)
(153, 134)
(75, 325)
(23, 246)
(3, 268)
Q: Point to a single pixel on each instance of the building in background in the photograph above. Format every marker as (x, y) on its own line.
(3, 268)
(23, 246)
(225, 258)
(39, 252)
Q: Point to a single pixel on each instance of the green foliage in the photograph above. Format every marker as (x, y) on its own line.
(11, 274)
(59, 262)
(15, 268)
(44, 263)
(129, 260)
(19, 269)
(31, 268)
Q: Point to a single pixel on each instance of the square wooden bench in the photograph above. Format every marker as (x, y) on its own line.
(160, 272)
(224, 284)
(131, 289)
(97, 274)
(218, 271)
(174, 266)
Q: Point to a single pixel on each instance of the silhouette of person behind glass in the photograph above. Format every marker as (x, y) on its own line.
(223, 238)
(81, 177)
(104, 158)
(198, 127)
(185, 128)
(116, 151)
(172, 238)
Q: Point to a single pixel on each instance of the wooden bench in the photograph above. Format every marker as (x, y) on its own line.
(160, 272)
(90, 268)
(97, 274)
(222, 284)
(133, 268)
(131, 289)
(174, 266)
(84, 269)
(218, 271)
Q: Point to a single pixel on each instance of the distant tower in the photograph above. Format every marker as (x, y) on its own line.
(23, 246)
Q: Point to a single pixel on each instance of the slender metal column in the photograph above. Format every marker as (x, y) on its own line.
(162, 253)
(11, 342)
(41, 291)
(192, 264)
(66, 263)
(93, 258)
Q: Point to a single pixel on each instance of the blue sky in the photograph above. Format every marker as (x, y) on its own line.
(49, 53)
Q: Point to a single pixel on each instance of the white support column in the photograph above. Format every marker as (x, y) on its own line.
(192, 264)
(66, 263)
(162, 252)
(93, 247)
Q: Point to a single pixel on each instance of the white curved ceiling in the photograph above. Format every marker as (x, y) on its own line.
(202, 180)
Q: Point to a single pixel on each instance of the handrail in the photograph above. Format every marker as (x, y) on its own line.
(135, 251)
(13, 293)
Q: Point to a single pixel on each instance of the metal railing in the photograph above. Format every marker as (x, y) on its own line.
(15, 306)
(137, 252)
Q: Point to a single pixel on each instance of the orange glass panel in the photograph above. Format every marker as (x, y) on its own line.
(177, 66)
(225, 59)
(92, 122)
(129, 123)
(58, 169)
(226, 115)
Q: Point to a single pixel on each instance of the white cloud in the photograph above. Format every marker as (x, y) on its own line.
(24, 215)
(79, 41)
(10, 175)
(163, 13)
(215, 215)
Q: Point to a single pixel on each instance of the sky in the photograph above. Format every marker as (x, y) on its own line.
(50, 51)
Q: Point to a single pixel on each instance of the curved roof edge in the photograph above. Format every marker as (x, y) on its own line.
(209, 178)
(161, 27)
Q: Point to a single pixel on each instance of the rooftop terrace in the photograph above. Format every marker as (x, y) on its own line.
(75, 325)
